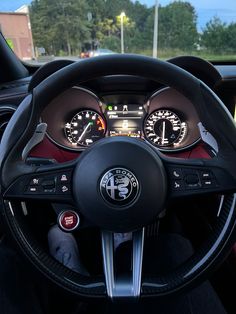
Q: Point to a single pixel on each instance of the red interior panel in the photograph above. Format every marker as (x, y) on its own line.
(47, 149)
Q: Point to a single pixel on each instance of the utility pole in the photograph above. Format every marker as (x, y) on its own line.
(155, 33)
(122, 15)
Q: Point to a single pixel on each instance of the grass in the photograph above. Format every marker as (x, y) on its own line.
(164, 54)
(170, 53)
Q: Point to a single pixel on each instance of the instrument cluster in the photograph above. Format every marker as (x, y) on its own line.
(78, 118)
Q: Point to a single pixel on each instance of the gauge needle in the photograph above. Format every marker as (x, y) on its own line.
(84, 131)
(163, 133)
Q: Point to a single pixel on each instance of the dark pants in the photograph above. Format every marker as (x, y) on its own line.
(162, 256)
(19, 293)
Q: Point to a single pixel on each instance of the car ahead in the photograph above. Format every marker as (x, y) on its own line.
(102, 52)
(95, 53)
(84, 54)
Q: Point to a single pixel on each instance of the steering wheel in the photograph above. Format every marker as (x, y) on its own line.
(94, 180)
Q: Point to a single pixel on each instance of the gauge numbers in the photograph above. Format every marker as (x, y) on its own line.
(85, 128)
(163, 128)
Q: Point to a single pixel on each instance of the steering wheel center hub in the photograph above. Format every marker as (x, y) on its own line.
(119, 186)
(124, 187)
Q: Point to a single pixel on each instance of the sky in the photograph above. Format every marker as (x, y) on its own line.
(206, 9)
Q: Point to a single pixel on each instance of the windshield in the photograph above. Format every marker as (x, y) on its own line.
(44, 30)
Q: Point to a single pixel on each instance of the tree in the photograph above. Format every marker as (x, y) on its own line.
(107, 27)
(230, 36)
(68, 26)
(106, 24)
(59, 25)
(218, 37)
(178, 26)
(96, 9)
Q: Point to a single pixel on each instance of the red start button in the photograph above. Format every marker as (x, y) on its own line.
(68, 220)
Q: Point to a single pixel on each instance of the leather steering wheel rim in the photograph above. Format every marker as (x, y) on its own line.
(209, 108)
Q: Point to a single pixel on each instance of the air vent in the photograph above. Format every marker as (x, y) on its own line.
(6, 112)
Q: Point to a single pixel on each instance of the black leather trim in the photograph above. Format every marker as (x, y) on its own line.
(11, 66)
(13, 142)
(46, 70)
(202, 69)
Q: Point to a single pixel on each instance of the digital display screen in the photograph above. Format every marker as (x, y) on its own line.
(125, 120)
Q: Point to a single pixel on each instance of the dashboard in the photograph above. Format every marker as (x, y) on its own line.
(78, 118)
(168, 120)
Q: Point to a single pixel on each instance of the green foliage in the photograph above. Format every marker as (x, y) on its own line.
(59, 25)
(218, 37)
(111, 42)
(10, 43)
(65, 27)
(178, 26)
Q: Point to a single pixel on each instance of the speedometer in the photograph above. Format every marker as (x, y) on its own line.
(85, 128)
(163, 128)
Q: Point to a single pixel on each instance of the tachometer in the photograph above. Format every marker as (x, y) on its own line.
(163, 128)
(85, 128)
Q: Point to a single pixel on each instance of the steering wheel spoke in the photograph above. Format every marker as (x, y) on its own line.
(52, 183)
(126, 285)
(195, 177)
